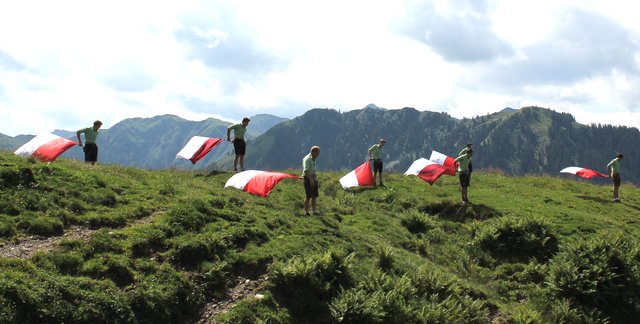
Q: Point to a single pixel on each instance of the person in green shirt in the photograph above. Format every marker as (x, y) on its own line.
(614, 173)
(310, 180)
(239, 145)
(464, 150)
(463, 171)
(90, 146)
(375, 154)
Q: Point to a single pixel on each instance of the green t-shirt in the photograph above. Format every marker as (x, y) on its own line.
(376, 151)
(615, 166)
(309, 164)
(90, 135)
(238, 131)
(463, 163)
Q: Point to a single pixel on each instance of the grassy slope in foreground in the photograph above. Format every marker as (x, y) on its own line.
(165, 243)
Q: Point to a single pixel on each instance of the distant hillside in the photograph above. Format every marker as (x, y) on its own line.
(153, 142)
(530, 140)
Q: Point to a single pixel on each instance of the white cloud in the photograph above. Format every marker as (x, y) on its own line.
(66, 63)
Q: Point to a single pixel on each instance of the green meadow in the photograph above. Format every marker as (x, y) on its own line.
(168, 246)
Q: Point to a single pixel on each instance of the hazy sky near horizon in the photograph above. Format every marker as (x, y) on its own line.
(64, 63)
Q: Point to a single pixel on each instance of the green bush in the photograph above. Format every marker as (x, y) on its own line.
(252, 310)
(103, 242)
(164, 296)
(12, 178)
(517, 239)
(189, 250)
(385, 258)
(187, 217)
(114, 267)
(40, 225)
(601, 273)
(68, 263)
(306, 284)
(7, 226)
(423, 296)
(42, 298)
(415, 222)
(146, 241)
(112, 220)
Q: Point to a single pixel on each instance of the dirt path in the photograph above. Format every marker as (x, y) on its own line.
(26, 246)
(244, 288)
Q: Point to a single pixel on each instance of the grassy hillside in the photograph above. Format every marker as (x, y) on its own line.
(174, 246)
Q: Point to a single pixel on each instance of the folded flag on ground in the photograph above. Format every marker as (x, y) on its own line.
(197, 148)
(426, 170)
(45, 147)
(582, 172)
(360, 177)
(257, 182)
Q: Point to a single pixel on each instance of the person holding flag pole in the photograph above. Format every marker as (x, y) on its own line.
(614, 172)
(375, 154)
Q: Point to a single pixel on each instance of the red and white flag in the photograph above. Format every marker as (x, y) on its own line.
(426, 170)
(582, 172)
(360, 177)
(257, 182)
(197, 148)
(446, 161)
(46, 147)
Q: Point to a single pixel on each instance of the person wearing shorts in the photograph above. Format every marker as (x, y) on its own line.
(375, 154)
(310, 180)
(239, 145)
(90, 147)
(614, 173)
(463, 173)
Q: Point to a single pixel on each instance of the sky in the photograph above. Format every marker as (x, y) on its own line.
(64, 64)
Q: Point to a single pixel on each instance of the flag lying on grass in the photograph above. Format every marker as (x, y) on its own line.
(360, 177)
(582, 172)
(197, 148)
(426, 170)
(257, 182)
(444, 160)
(46, 147)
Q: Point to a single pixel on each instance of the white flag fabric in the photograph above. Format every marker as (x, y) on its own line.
(426, 170)
(583, 172)
(197, 148)
(257, 182)
(45, 147)
(444, 160)
(360, 177)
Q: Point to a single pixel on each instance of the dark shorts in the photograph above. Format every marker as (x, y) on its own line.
(310, 192)
(239, 145)
(90, 152)
(470, 167)
(616, 179)
(377, 166)
(465, 179)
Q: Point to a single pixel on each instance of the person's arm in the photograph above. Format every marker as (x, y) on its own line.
(370, 153)
(79, 139)
(609, 168)
(229, 133)
(464, 150)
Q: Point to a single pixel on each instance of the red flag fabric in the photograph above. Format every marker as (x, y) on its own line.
(257, 182)
(360, 177)
(444, 160)
(583, 172)
(46, 147)
(197, 148)
(426, 170)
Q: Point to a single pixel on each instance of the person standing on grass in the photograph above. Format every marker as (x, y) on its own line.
(463, 171)
(464, 150)
(310, 180)
(375, 154)
(90, 146)
(239, 145)
(614, 173)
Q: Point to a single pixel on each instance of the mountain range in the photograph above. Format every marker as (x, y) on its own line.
(529, 140)
(152, 143)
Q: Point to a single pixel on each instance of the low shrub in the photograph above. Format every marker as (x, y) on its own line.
(67, 263)
(12, 178)
(415, 222)
(189, 250)
(111, 220)
(114, 267)
(517, 240)
(7, 226)
(103, 241)
(306, 284)
(253, 310)
(40, 225)
(601, 273)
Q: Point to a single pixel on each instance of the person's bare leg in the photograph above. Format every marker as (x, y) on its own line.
(306, 206)
(241, 160)
(313, 204)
